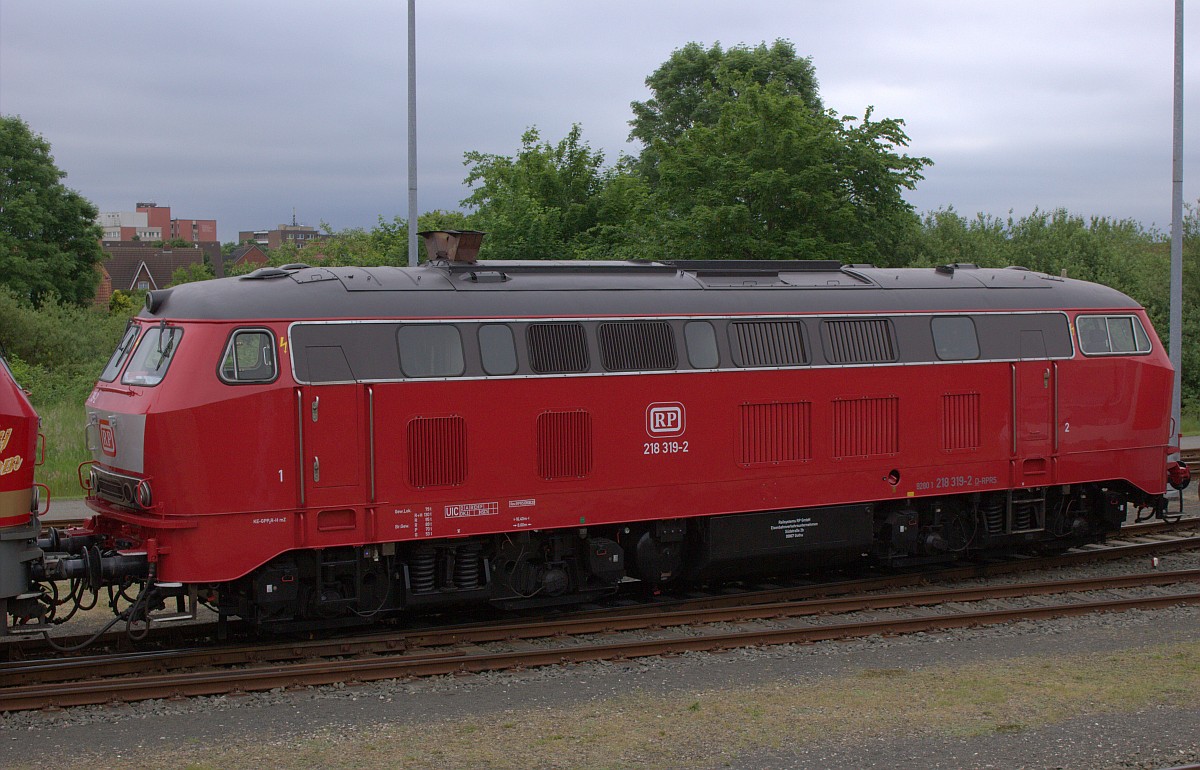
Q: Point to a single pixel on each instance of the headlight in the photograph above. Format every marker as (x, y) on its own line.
(144, 497)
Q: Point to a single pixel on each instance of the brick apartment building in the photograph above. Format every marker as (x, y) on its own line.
(293, 234)
(151, 222)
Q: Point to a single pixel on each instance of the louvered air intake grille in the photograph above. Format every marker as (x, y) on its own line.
(859, 341)
(866, 426)
(564, 444)
(557, 348)
(960, 421)
(437, 451)
(770, 343)
(775, 433)
(637, 346)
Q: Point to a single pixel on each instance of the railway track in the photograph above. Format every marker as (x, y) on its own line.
(1134, 540)
(125, 677)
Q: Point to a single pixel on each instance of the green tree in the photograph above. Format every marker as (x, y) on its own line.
(770, 178)
(536, 203)
(384, 244)
(121, 303)
(65, 344)
(739, 160)
(196, 271)
(948, 237)
(694, 84)
(626, 214)
(1190, 348)
(49, 240)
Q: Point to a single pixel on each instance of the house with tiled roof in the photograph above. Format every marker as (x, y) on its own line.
(246, 254)
(134, 266)
(103, 289)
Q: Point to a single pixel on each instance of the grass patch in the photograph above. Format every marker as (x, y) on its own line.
(1190, 422)
(640, 730)
(63, 422)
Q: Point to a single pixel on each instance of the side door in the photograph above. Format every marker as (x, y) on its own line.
(1034, 389)
(332, 445)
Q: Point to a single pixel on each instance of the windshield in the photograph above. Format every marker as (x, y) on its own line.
(4, 366)
(153, 355)
(120, 354)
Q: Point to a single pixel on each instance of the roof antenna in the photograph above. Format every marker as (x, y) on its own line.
(293, 216)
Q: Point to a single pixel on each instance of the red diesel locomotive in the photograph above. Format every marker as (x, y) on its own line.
(309, 446)
(19, 499)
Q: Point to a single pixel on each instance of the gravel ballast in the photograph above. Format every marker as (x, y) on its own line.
(294, 729)
(671, 712)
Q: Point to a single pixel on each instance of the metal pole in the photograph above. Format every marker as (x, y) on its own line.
(1176, 330)
(412, 133)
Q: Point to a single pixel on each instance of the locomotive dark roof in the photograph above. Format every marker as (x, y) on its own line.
(566, 288)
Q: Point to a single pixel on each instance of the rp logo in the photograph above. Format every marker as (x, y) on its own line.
(108, 439)
(664, 420)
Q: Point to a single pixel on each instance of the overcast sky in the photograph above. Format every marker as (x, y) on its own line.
(241, 111)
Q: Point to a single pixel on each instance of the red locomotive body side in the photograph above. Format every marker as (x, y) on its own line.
(18, 452)
(19, 502)
(306, 446)
(243, 473)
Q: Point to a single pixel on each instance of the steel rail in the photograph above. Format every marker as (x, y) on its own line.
(68, 669)
(116, 665)
(791, 609)
(392, 667)
(17, 648)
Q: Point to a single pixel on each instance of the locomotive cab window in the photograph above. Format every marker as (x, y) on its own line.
(124, 348)
(430, 350)
(154, 353)
(954, 338)
(1111, 335)
(249, 357)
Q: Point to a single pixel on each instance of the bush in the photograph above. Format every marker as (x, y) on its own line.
(55, 352)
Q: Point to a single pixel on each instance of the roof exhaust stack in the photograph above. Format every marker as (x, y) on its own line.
(453, 246)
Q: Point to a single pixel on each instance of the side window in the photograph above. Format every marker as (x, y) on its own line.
(153, 355)
(701, 342)
(497, 349)
(954, 338)
(1111, 335)
(124, 348)
(1141, 338)
(249, 357)
(430, 350)
(1093, 334)
(1120, 335)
